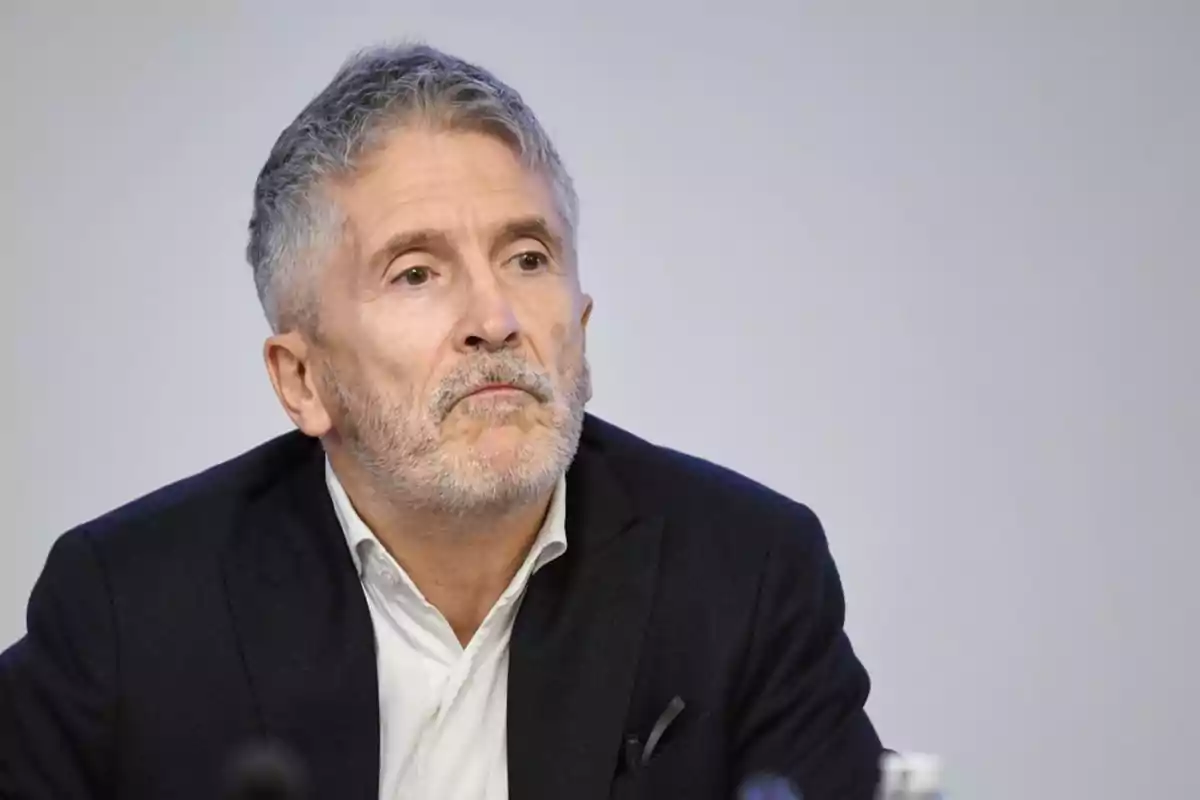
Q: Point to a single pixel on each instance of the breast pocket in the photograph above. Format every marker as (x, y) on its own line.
(687, 763)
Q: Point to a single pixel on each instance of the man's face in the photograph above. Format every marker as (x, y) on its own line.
(450, 353)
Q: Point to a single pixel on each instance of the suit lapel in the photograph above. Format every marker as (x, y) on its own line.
(305, 631)
(576, 642)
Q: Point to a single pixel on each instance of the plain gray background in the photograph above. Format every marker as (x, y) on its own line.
(930, 268)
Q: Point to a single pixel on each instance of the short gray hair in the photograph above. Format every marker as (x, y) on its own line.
(294, 222)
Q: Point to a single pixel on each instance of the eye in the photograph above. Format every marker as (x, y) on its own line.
(531, 260)
(413, 276)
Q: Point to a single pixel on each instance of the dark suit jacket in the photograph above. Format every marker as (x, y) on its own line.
(226, 607)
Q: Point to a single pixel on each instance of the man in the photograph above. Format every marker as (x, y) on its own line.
(450, 582)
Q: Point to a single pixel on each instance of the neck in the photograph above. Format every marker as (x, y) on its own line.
(461, 562)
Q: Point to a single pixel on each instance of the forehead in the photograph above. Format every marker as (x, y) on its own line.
(463, 183)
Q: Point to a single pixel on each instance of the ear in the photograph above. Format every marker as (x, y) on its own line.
(587, 311)
(290, 366)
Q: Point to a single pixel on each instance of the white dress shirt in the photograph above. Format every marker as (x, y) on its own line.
(443, 708)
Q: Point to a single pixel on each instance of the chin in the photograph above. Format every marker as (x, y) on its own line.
(497, 430)
(505, 455)
(502, 448)
(495, 485)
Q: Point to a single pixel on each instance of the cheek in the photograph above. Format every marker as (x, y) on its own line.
(403, 357)
(566, 339)
(567, 354)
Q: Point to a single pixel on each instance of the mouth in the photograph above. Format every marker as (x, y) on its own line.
(497, 390)
(494, 387)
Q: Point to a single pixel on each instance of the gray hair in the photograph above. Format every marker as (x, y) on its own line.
(294, 222)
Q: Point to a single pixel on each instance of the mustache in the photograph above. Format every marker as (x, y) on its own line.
(476, 375)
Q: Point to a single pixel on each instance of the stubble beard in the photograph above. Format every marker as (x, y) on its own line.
(426, 459)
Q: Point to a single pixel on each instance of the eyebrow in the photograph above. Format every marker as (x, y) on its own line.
(437, 241)
(427, 239)
(533, 227)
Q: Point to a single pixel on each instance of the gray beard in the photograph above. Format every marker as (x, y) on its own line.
(408, 466)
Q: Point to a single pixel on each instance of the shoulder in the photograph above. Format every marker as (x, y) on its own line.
(710, 500)
(197, 511)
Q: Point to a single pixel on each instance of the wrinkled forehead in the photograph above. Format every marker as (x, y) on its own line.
(467, 185)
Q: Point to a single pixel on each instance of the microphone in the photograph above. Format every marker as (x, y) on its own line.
(903, 776)
(910, 776)
(766, 786)
(265, 771)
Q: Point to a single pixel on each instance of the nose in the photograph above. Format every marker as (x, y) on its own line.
(489, 323)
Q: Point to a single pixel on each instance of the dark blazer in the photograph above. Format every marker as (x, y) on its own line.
(226, 607)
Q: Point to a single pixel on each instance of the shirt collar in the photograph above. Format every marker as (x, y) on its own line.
(551, 541)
